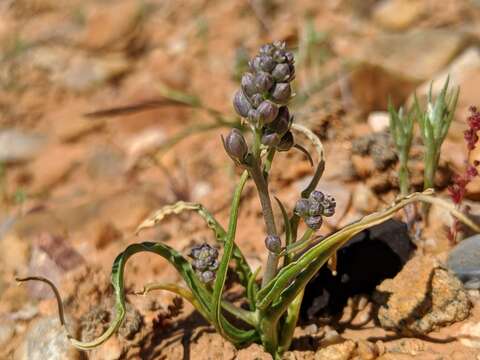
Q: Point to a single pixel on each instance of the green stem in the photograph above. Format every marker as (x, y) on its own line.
(269, 335)
(403, 174)
(262, 188)
(301, 244)
(268, 163)
(289, 324)
(255, 171)
(431, 163)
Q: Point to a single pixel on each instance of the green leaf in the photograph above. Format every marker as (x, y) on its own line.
(176, 259)
(243, 269)
(294, 277)
(252, 289)
(221, 275)
(286, 222)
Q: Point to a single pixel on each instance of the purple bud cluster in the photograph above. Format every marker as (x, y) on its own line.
(265, 92)
(312, 209)
(205, 261)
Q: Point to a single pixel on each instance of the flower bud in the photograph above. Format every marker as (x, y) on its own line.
(266, 63)
(270, 139)
(315, 209)
(282, 122)
(280, 44)
(241, 104)
(200, 264)
(256, 99)
(290, 58)
(263, 81)
(279, 56)
(207, 276)
(317, 195)
(281, 72)
(273, 243)
(329, 205)
(267, 49)
(248, 84)
(235, 145)
(282, 92)
(268, 111)
(254, 64)
(329, 211)
(314, 222)
(253, 116)
(213, 265)
(286, 142)
(301, 207)
(329, 200)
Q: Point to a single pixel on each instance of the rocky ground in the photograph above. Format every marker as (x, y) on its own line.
(74, 187)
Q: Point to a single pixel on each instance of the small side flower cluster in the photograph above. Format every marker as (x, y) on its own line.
(459, 187)
(470, 135)
(265, 92)
(312, 209)
(205, 261)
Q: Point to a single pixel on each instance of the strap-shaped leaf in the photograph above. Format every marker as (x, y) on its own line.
(292, 278)
(243, 269)
(227, 255)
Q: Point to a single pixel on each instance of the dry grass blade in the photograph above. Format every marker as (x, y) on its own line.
(135, 108)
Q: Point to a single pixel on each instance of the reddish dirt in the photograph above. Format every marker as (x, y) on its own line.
(95, 179)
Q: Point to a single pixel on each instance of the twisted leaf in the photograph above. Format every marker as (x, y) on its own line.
(175, 258)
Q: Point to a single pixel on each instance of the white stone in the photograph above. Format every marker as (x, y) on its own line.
(379, 120)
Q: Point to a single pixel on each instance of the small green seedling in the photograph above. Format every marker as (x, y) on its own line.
(273, 305)
(434, 123)
(401, 129)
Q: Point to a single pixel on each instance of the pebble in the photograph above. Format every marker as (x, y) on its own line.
(18, 146)
(253, 351)
(364, 199)
(342, 351)
(421, 298)
(469, 335)
(398, 53)
(464, 261)
(379, 120)
(462, 70)
(85, 73)
(397, 14)
(46, 339)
